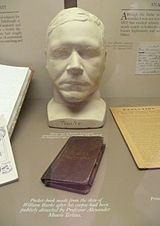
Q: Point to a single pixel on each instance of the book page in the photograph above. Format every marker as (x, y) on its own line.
(8, 171)
(11, 83)
(140, 127)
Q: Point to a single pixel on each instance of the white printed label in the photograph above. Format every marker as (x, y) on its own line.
(148, 58)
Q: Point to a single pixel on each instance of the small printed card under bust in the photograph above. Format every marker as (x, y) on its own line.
(8, 171)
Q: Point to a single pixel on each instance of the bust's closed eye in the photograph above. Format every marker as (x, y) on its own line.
(60, 53)
(89, 52)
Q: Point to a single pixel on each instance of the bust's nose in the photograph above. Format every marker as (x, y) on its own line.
(74, 65)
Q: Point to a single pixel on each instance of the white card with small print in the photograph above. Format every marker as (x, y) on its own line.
(8, 170)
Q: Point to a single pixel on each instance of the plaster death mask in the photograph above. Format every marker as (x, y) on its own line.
(75, 53)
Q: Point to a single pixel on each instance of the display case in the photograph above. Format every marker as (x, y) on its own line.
(121, 194)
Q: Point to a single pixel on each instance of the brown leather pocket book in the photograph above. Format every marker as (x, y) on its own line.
(75, 166)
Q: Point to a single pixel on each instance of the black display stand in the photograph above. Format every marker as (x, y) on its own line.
(70, 3)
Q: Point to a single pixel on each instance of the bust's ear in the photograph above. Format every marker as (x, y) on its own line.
(45, 52)
(105, 54)
(105, 48)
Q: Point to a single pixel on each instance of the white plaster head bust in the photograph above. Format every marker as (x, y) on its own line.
(75, 53)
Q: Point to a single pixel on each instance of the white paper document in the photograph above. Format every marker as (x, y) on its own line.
(8, 171)
(148, 58)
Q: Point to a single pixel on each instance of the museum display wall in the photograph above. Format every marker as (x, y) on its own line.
(132, 39)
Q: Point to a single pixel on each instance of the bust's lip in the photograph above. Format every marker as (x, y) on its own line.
(74, 86)
(78, 83)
